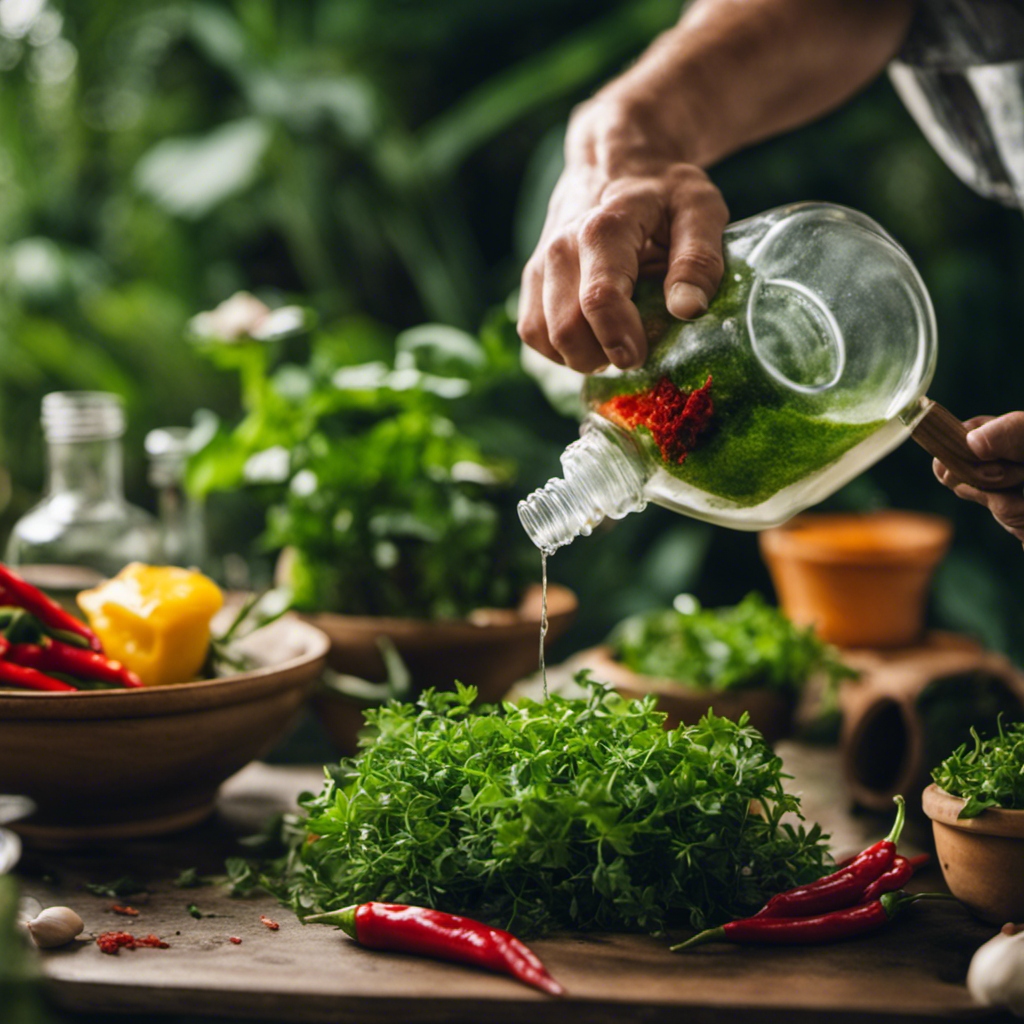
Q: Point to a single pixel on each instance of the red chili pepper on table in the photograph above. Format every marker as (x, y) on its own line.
(406, 929)
(844, 887)
(895, 878)
(15, 590)
(831, 927)
(54, 656)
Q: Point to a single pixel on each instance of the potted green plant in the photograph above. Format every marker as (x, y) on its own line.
(744, 658)
(388, 513)
(976, 805)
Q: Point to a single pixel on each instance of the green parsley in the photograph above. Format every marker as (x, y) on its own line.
(579, 813)
(989, 774)
(743, 645)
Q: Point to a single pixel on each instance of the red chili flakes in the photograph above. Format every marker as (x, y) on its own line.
(674, 418)
(235, 939)
(127, 911)
(111, 942)
(272, 925)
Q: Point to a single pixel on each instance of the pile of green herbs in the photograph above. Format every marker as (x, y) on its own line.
(988, 774)
(579, 813)
(363, 455)
(744, 645)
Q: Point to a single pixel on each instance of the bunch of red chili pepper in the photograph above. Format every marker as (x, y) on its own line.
(43, 647)
(862, 894)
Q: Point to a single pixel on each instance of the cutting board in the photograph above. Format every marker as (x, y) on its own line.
(912, 971)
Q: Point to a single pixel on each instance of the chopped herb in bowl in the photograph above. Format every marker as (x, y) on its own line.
(989, 774)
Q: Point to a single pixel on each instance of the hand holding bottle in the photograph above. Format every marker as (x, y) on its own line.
(999, 439)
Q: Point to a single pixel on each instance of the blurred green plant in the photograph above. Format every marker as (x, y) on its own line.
(749, 644)
(376, 498)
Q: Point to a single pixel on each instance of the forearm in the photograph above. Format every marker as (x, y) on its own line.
(734, 72)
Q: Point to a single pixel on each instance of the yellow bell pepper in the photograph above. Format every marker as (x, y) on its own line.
(155, 620)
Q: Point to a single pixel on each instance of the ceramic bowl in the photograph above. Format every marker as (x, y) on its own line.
(861, 579)
(770, 710)
(982, 858)
(491, 650)
(113, 764)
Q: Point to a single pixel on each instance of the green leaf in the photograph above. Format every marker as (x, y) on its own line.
(190, 177)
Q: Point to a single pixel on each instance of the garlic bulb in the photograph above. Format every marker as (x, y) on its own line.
(55, 926)
(996, 974)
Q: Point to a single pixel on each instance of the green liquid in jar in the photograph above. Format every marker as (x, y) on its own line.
(762, 436)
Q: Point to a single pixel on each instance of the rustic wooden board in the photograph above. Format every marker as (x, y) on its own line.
(912, 971)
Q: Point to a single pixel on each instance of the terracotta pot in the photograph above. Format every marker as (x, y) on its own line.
(491, 650)
(982, 858)
(770, 710)
(861, 579)
(113, 764)
(889, 737)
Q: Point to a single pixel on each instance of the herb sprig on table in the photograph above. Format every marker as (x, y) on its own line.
(747, 644)
(989, 774)
(578, 813)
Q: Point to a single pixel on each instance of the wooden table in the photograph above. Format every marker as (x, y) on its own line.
(913, 971)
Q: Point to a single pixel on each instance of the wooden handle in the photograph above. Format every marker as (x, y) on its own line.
(941, 434)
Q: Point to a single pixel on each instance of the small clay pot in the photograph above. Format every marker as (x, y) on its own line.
(770, 709)
(491, 649)
(861, 579)
(890, 712)
(982, 858)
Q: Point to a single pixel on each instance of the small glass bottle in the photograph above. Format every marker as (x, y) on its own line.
(181, 518)
(83, 529)
(810, 365)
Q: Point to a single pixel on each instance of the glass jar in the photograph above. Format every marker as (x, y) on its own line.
(83, 529)
(810, 364)
(181, 518)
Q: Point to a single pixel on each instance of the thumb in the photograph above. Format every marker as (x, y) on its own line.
(999, 438)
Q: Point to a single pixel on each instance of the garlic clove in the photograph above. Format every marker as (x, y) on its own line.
(55, 926)
(996, 974)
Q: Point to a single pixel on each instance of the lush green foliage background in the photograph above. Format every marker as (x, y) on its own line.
(392, 159)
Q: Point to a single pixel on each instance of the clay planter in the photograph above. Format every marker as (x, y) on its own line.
(115, 764)
(982, 858)
(491, 650)
(770, 710)
(861, 579)
(887, 748)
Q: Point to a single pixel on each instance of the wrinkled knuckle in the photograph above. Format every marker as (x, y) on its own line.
(600, 223)
(697, 257)
(599, 296)
(561, 248)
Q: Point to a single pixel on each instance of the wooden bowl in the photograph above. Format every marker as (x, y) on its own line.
(861, 579)
(982, 858)
(491, 649)
(770, 710)
(114, 764)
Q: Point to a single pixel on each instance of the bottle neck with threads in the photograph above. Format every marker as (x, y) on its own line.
(605, 474)
(83, 432)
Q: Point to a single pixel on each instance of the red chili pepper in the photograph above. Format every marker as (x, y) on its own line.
(29, 678)
(895, 878)
(272, 925)
(429, 932)
(15, 590)
(55, 656)
(842, 888)
(831, 927)
(111, 942)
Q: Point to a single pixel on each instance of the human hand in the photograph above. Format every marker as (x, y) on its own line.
(622, 207)
(999, 440)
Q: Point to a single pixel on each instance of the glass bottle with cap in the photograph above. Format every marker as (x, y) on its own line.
(83, 529)
(810, 364)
